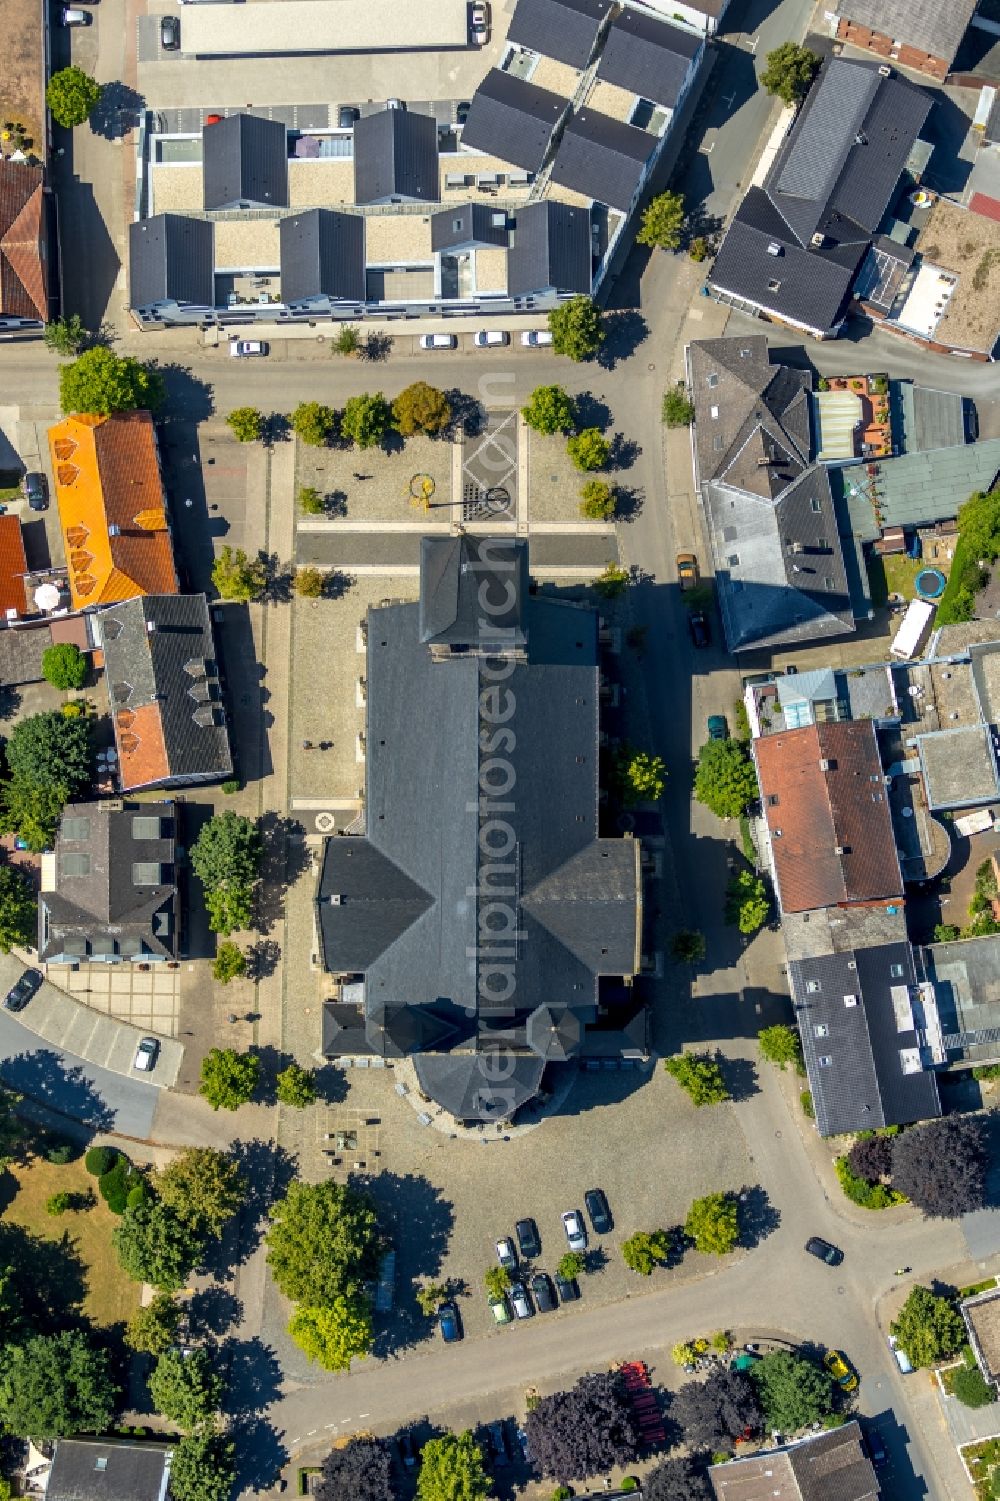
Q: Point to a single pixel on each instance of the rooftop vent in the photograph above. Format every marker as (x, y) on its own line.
(150, 627)
(335, 899)
(885, 72)
(774, 248)
(819, 240)
(850, 1000)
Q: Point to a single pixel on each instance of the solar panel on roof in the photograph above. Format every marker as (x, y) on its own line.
(828, 131)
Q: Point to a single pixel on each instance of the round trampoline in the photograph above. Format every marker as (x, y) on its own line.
(929, 583)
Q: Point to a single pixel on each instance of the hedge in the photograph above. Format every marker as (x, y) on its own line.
(867, 1195)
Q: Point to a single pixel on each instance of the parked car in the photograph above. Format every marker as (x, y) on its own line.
(567, 1287)
(840, 1370)
(408, 1450)
(70, 16)
(544, 1293)
(146, 1054)
(527, 1238)
(522, 1439)
(498, 1443)
(20, 994)
(698, 625)
(596, 1205)
(877, 1452)
(36, 491)
(688, 575)
(248, 349)
(490, 338)
(817, 1246)
(506, 1255)
(519, 1300)
(499, 1309)
(170, 33)
(536, 338)
(576, 1230)
(718, 728)
(346, 116)
(900, 1356)
(479, 23)
(438, 341)
(451, 1324)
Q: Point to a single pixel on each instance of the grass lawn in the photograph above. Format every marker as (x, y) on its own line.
(110, 1295)
(900, 572)
(9, 493)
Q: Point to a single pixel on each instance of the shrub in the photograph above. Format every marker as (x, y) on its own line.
(629, 1483)
(61, 1152)
(59, 1203)
(945, 932)
(700, 1075)
(550, 410)
(688, 946)
(598, 500)
(612, 582)
(808, 1108)
(231, 786)
(866, 1195)
(64, 666)
(311, 501)
(100, 1160)
(589, 449)
(561, 1493)
(969, 1386)
(781, 1044)
(678, 408)
(246, 424)
(647, 1249)
(310, 582)
(229, 964)
(313, 423)
(115, 1185)
(348, 340)
(699, 249)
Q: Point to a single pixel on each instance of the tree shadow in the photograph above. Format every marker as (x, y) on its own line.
(335, 504)
(48, 1277)
(376, 348)
(624, 452)
(214, 1310)
(253, 1378)
(629, 501)
(117, 111)
(740, 1075)
(623, 333)
(277, 429)
(47, 1079)
(336, 584)
(468, 415)
(331, 1084)
(10, 701)
(262, 959)
(591, 411)
(392, 442)
(189, 398)
(418, 1220)
(267, 1171)
(261, 1454)
(597, 1260)
(279, 588)
(759, 1218)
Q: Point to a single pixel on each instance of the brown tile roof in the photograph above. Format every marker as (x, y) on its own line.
(142, 749)
(13, 566)
(111, 508)
(828, 814)
(23, 247)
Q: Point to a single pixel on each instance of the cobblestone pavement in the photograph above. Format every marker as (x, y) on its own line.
(375, 485)
(148, 998)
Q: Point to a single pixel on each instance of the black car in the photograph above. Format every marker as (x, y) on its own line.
(698, 625)
(36, 490)
(597, 1209)
(541, 1286)
(527, 1238)
(877, 1452)
(408, 1450)
(346, 116)
(823, 1250)
(567, 1288)
(498, 1443)
(170, 33)
(20, 994)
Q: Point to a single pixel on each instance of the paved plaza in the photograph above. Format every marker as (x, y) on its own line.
(148, 998)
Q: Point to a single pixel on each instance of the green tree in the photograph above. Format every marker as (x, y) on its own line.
(421, 408)
(309, 582)
(713, 1223)
(577, 329)
(324, 1243)
(153, 1246)
(678, 408)
(226, 858)
(792, 1392)
(747, 902)
(572, 1264)
(725, 780)
(929, 1327)
(589, 449)
(971, 1389)
(945, 932)
(246, 424)
(366, 420)
(238, 577)
(613, 582)
(641, 776)
(781, 1044)
(430, 1296)
(72, 96)
(102, 382)
(789, 72)
(688, 946)
(58, 1203)
(65, 335)
(230, 963)
(311, 501)
(663, 222)
(53, 1385)
(334, 1336)
(49, 758)
(64, 666)
(646, 1249)
(451, 1469)
(203, 1468)
(700, 1076)
(229, 1079)
(314, 423)
(348, 340)
(296, 1086)
(153, 1329)
(203, 1187)
(186, 1388)
(17, 909)
(496, 1280)
(550, 410)
(598, 500)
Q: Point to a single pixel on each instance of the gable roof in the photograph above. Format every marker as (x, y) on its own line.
(648, 56)
(473, 592)
(395, 156)
(109, 1469)
(468, 224)
(163, 684)
(24, 271)
(513, 120)
(171, 259)
(322, 255)
(602, 158)
(929, 25)
(824, 1467)
(13, 566)
(828, 816)
(736, 391)
(245, 161)
(112, 509)
(564, 29)
(550, 246)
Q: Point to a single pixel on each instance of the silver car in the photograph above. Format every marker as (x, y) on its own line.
(576, 1230)
(520, 1302)
(146, 1054)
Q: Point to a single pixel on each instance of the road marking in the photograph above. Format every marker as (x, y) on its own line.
(364, 1414)
(311, 1432)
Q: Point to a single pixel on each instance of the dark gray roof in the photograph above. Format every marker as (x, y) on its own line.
(163, 683)
(823, 1467)
(737, 391)
(171, 258)
(471, 1091)
(549, 247)
(115, 892)
(991, 130)
(862, 1055)
(563, 29)
(933, 26)
(648, 56)
(245, 161)
(473, 592)
(602, 158)
(129, 1472)
(395, 156)
(365, 903)
(322, 256)
(468, 224)
(513, 120)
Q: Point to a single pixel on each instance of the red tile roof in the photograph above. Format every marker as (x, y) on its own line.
(980, 203)
(23, 245)
(828, 813)
(13, 566)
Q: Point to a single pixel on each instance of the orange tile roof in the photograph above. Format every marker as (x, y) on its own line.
(23, 245)
(111, 508)
(13, 566)
(142, 749)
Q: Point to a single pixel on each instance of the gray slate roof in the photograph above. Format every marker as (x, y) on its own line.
(395, 157)
(468, 224)
(549, 247)
(934, 26)
(602, 158)
(473, 592)
(130, 1472)
(245, 161)
(105, 904)
(823, 1467)
(857, 1065)
(322, 256)
(564, 29)
(171, 259)
(648, 56)
(513, 120)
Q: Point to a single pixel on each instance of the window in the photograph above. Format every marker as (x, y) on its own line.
(76, 828)
(745, 354)
(713, 381)
(717, 444)
(772, 800)
(824, 1060)
(816, 506)
(821, 1030)
(457, 226)
(828, 584)
(813, 987)
(145, 827)
(73, 864)
(773, 285)
(714, 413)
(733, 560)
(896, 971)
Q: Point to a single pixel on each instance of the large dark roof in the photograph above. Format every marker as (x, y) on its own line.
(737, 390)
(860, 1040)
(115, 892)
(171, 259)
(823, 1467)
(513, 120)
(648, 56)
(602, 158)
(933, 26)
(395, 156)
(473, 592)
(322, 255)
(549, 247)
(468, 224)
(245, 162)
(109, 1469)
(563, 29)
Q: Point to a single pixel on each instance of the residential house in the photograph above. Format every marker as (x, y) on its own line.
(488, 950)
(109, 889)
(564, 29)
(245, 163)
(919, 34)
(165, 691)
(13, 569)
(981, 1313)
(823, 1467)
(24, 247)
(112, 508)
(109, 1469)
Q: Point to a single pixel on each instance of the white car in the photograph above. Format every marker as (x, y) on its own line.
(247, 349)
(536, 338)
(439, 341)
(480, 23)
(576, 1230)
(491, 339)
(901, 1357)
(146, 1054)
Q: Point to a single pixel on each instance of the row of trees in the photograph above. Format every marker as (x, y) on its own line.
(365, 420)
(551, 410)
